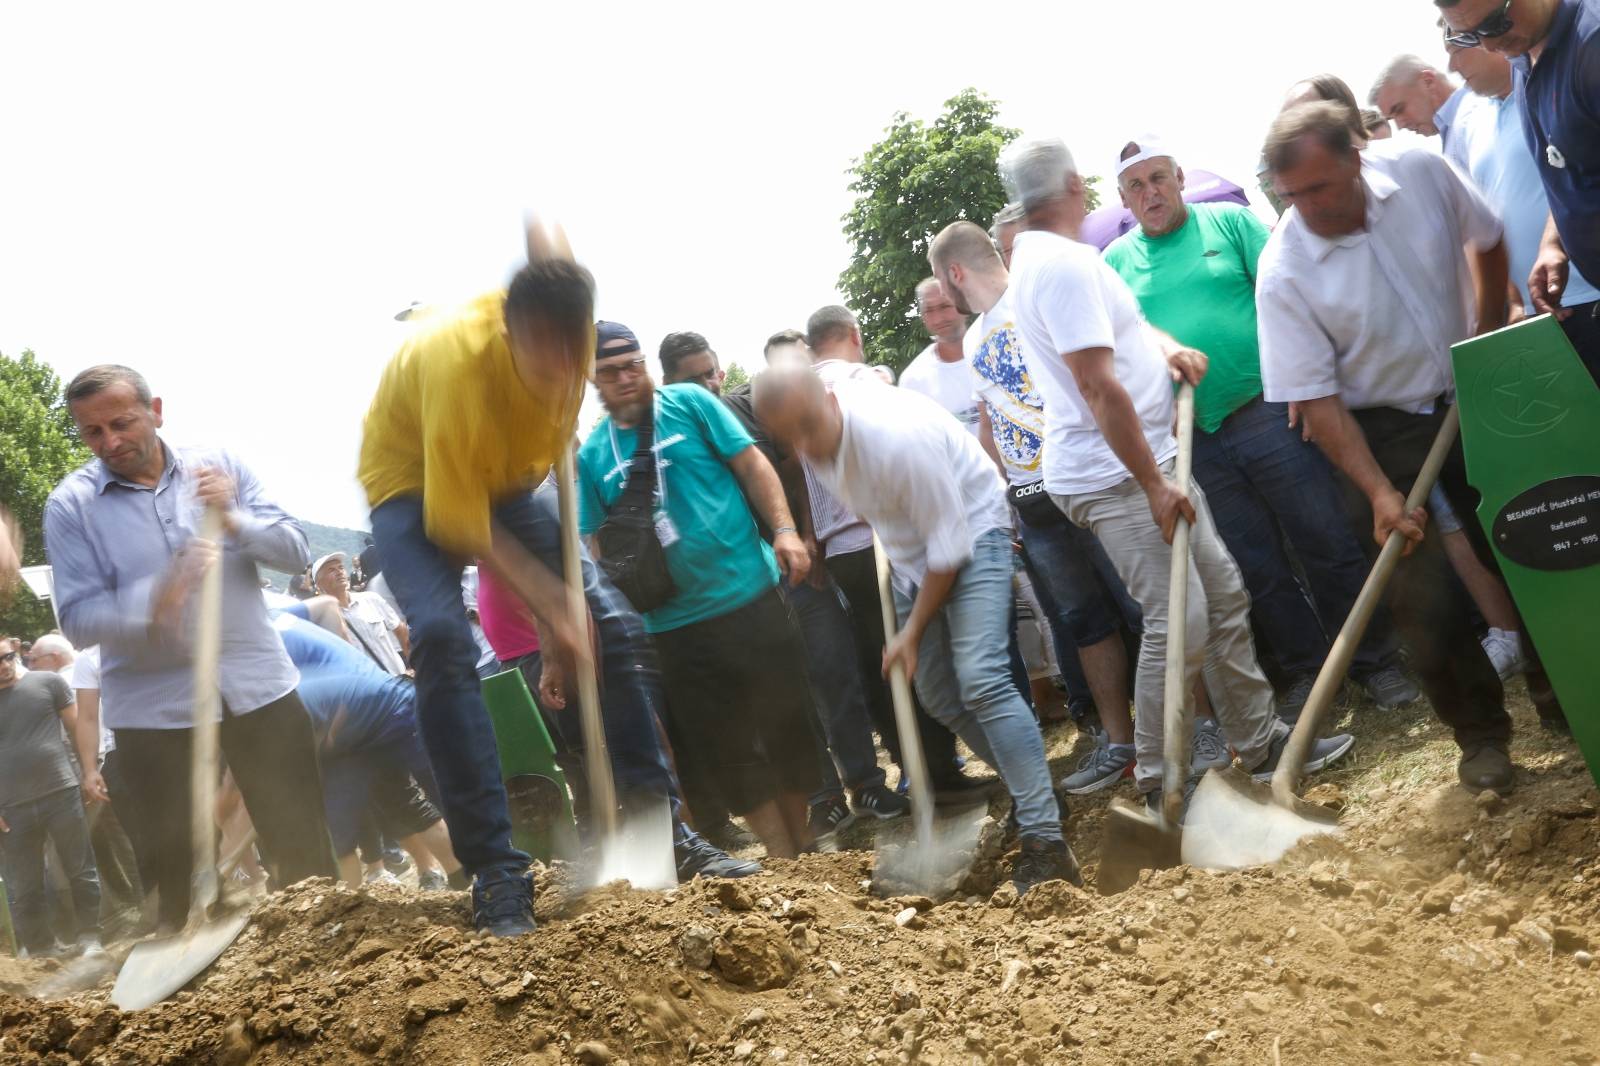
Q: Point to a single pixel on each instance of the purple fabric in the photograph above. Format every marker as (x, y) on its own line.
(1105, 224)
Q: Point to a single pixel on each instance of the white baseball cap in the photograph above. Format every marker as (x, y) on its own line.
(1149, 146)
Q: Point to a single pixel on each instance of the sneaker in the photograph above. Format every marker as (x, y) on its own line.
(1210, 750)
(956, 787)
(827, 817)
(396, 861)
(1323, 752)
(1487, 766)
(380, 876)
(699, 858)
(1293, 700)
(432, 881)
(1103, 767)
(1390, 689)
(1042, 860)
(1504, 649)
(730, 836)
(502, 904)
(1152, 799)
(879, 802)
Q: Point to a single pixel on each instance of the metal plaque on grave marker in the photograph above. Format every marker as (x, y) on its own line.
(1530, 429)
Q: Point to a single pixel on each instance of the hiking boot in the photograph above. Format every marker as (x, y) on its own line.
(432, 881)
(1293, 700)
(1390, 689)
(827, 817)
(880, 802)
(730, 836)
(1044, 859)
(502, 904)
(1504, 649)
(1323, 752)
(699, 858)
(1487, 766)
(1102, 767)
(1209, 749)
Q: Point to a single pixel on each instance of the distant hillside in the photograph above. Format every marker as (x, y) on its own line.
(323, 539)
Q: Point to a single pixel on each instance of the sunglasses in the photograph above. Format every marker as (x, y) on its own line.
(1496, 25)
(616, 370)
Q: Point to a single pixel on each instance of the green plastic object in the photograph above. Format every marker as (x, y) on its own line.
(536, 790)
(1530, 428)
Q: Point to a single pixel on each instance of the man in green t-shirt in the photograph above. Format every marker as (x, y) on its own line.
(1193, 269)
(739, 704)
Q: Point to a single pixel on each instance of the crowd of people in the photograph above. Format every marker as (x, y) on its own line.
(1019, 474)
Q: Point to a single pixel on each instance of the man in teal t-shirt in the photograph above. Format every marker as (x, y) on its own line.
(1193, 269)
(739, 704)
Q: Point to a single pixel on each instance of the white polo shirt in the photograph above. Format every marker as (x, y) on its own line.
(916, 475)
(1371, 316)
(838, 529)
(1066, 299)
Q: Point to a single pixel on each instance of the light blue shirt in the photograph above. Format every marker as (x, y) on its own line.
(1485, 137)
(111, 542)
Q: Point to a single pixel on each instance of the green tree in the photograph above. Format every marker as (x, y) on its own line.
(734, 376)
(910, 185)
(38, 447)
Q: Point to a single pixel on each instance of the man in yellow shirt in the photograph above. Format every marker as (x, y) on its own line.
(468, 418)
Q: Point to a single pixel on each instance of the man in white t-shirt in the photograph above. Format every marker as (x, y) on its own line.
(1107, 382)
(938, 507)
(940, 371)
(373, 625)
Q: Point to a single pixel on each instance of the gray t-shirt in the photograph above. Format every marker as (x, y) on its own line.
(33, 757)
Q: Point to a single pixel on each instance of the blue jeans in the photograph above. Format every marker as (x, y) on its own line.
(450, 709)
(1265, 484)
(841, 701)
(964, 679)
(56, 817)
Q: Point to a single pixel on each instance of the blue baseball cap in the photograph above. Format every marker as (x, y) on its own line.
(613, 338)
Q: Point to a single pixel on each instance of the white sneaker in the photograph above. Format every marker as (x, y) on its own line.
(1504, 649)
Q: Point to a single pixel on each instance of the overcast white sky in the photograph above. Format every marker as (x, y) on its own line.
(237, 201)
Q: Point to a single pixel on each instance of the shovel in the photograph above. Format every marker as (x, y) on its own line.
(638, 848)
(157, 968)
(1235, 822)
(1136, 838)
(943, 844)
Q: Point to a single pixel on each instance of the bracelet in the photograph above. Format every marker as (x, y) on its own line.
(785, 529)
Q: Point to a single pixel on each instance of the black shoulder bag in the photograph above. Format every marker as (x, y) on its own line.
(630, 552)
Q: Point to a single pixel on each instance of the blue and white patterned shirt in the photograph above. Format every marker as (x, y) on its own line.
(1000, 379)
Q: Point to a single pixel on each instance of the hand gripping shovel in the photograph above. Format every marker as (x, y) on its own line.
(1235, 822)
(637, 848)
(157, 968)
(942, 849)
(1136, 839)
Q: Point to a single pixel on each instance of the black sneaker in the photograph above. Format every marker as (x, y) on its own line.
(880, 802)
(698, 857)
(1293, 700)
(502, 904)
(826, 818)
(730, 836)
(1042, 860)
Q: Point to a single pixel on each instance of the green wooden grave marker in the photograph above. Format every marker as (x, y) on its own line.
(536, 790)
(1530, 428)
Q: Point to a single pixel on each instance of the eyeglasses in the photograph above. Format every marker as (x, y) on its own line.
(617, 370)
(1496, 25)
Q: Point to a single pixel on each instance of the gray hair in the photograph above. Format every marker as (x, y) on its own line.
(828, 325)
(1037, 170)
(54, 644)
(1009, 215)
(99, 378)
(1402, 70)
(1325, 122)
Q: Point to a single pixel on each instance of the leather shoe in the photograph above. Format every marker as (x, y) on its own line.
(1487, 766)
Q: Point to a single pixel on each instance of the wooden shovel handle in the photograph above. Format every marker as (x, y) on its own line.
(597, 760)
(1176, 724)
(1287, 777)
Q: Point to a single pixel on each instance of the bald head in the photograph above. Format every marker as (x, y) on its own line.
(796, 409)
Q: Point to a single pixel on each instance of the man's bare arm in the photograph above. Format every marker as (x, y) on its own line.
(765, 493)
(1493, 273)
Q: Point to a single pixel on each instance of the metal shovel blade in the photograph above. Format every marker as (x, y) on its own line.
(155, 969)
(931, 860)
(640, 851)
(1234, 822)
(1135, 840)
